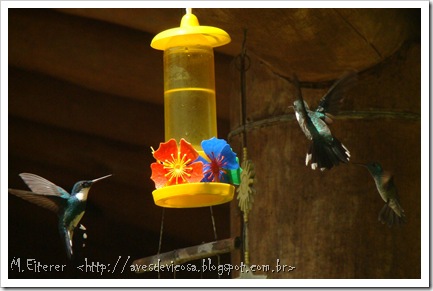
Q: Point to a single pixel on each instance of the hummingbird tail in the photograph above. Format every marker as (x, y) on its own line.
(388, 216)
(323, 155)
(67, 237)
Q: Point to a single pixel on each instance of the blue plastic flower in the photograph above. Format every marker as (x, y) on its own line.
(221, 160)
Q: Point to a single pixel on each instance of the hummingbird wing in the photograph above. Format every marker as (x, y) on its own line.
(331, 101)
(387, 179)
(42, 186)
(52, 203)
(304, 116)
(392, 212)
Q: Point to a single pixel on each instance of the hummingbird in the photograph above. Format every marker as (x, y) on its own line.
(392, 212)
(325, 150)
(70, 208)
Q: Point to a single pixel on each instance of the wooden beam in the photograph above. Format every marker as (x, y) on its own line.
(318, 44)
(180, 256)
(51, 101)
(97, 55)
(48, 100)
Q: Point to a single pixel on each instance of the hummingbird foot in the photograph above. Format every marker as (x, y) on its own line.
(83, 229)
(84, 237)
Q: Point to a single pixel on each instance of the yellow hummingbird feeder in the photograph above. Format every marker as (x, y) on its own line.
(189, 115)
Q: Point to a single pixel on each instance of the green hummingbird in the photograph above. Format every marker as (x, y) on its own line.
(325, 150)
(392, 212)
(70, 208)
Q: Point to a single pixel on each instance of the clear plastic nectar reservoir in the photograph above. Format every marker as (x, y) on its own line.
(189, 94)
(189, 79)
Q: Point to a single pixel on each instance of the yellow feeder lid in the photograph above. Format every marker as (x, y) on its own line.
(191, 195)
(190, 33)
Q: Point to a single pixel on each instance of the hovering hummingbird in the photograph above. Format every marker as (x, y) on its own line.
(391, 212)
(325, 150)
(70, 208)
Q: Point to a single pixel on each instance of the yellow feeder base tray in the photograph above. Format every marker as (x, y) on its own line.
(193, 195)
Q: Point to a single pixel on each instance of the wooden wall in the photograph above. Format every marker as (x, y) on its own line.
(325, 224)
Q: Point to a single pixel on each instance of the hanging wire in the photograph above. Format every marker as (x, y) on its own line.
(215, 236)
(243, 63)
(161, 230)
(213, 223)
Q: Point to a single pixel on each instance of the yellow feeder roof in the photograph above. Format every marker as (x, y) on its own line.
(190, 33)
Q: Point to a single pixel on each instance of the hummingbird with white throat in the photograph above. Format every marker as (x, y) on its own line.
(325, 150)
(69, 208)
(392, 212)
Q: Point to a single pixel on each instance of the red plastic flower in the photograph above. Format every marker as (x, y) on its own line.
(176, 165)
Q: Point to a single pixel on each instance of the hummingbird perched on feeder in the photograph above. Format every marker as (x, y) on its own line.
(392, 212)
(70, 208)
(325, 150)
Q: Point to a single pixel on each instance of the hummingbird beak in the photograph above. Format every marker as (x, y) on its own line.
(93, 181)
(359, 164)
